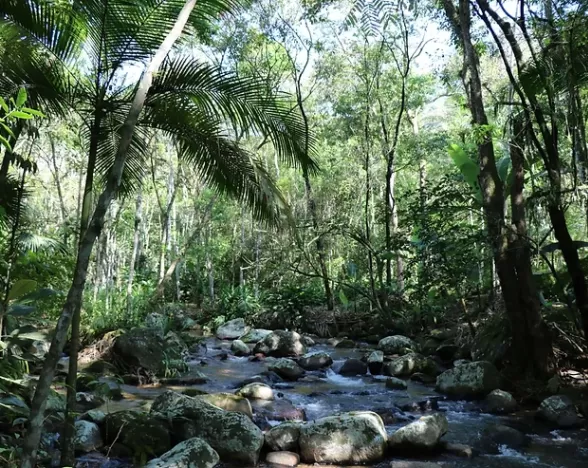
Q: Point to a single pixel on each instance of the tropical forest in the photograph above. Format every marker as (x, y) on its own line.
(279, 233)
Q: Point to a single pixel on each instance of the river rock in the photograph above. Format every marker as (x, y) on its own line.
(141, 433)
(315, 361)
(353, 367)
(254, 335)
(283, 458)
(348, 438)
(307, 341)
(459, 450)
(95, 416)
(191, 453)
(86, 401)
(413, 464)
(396, 344)
(375, 362)
(471, 380)
(39, 348)
(238, 348)
(256, 391)
(461, 362)
(497, 435)
(229, 402)
(284, 437)
(394, 383)
(281, 343)
(276, 410)
(409, 364)
(558, 410)
(87, 437)
(287, 369)
(346, 343)
(422, 434)
(232, 329)
(447, 352)
(423, 378)
(500, 402)
(233, 435)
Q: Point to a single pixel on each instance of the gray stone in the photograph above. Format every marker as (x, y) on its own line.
(283, 458)
(315, 361)
(87, 437)
(375, 362)
(396, 344)
(497, 435)
(353, 367)
(348, 438)
(286, 368)
(413, 464)
(191, 453)
(228, 402)
(307, 341)
(281, 343)
(471, 380)
(500, 402)
(345, 344)
(394, 383)
(256, 391)
(410, 364)
(459, 450)
(232, 329)
(233, 435)
(238, 348)
(284, 437)
(254, 335)
(422, 434)
(95, 416)
(558, 410)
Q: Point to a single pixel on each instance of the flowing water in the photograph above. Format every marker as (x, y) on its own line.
(326, 393)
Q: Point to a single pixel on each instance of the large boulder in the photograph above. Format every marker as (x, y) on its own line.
(238, 348)
(229, 402)
(256, 391)
(87, 437)
(410, 364)
(394, 383)
(500, 402)
(375, 362)
(286, 368)
(471, 380)
(345, 343)
(315, 361)
(282, 459)
(276, 410)
(284, 437)
(348, 438)
(353, 367)
(232, 329)
(422, 434)
(558, 410)
(396, 344)
(281, 343)
(497, 435)
(233, 435)
(254, 335)
(192, 453)
(139, 432)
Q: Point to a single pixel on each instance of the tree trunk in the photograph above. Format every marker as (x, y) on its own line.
(75, 294)
(135, 251)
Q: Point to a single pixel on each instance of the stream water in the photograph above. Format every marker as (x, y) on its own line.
(326, 393)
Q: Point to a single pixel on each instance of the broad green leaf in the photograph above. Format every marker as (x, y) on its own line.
(21, 115)
(343, 298)
(8, 129)
(18, 310)
(503, 166)
(21, 98)
(21, 288)
(4, 105)
(34, 112)
(5, 142)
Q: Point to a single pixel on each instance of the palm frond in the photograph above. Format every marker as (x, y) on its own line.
(28, 241)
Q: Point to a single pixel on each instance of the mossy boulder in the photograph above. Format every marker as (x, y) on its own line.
(141, 349)
(558, 410)
(87, 436)
(254, 335)
(233, 435)
(140, 432)
(345, 344)
(232, 329)
(191, 453)
(348, 438)
(256, 391)
(286, 368)
(500, 402)
(471, 380)
(422, 434)
(281, 343)
(394, 383)
(284, 437)
(375, 362)
(239, 348)
(410, 364)
(396, 344)
(229, 402)
(315, 361)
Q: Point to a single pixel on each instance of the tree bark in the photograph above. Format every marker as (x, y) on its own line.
(135, 251)
(75, 294)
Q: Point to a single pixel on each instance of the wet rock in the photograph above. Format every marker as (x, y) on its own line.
(283, 458)
(62, 366)
(442, 334)
(256, 391)
(375, 362)
(233, 435)
(447, 352)
(156, 322)
(39, 348)
(287, 369)
(422, 405)
(394, 383)
(192, 453)
(353, 367)
(315, 361)
(193, 392)
(396, 344)
(232, 329)
(86, 401)
(459, 450)
(500, 402)
(554, 384)
(223, 356)
(409, 364)
(140, 433)
(87, 437)
(558, 410)
(345, 344)
(422, 434)
(348, 438)
(195, 378)
(229, 402)
(95, 416)
(388, 415)
(276, 410)
(413, 464)
(472, 380)
(254, 335)
(461, 362)
(498, 435)
(307, 341)
(284, 437)
(333, 341)
(423, 378)
(238, 348)
(281, 343)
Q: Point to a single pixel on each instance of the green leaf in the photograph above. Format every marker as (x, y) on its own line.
(4, 105)
(21, 98)
(503, 167)
(34, 112)
(8, 129)
(5, 142)
(343, 298)
(18, 310)
(21, 115)
(21, 288)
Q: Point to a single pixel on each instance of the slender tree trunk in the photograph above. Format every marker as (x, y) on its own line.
(75, 295)
(135, 251)
(57, 180)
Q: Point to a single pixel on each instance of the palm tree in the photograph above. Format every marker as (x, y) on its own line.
(73, 56)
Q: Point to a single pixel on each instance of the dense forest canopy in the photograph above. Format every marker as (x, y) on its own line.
(359, 168)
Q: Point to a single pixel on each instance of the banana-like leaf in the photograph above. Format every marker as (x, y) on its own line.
(21, 288)
(19, 310)
(468, 168)
(503, 167)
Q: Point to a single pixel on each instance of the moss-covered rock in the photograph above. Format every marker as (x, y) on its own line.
(394, 383)
(229, 402)
(284, 437)
(315, 361)
(239, 348)
(500, 402)
(410, 364)
(87, 437)
(558, 410)
(232, 329)
(256, 391)
(375, 362)
(471, 380)
(192, 453)
(233, 435)
(255, 335)
(281, 343)
(422, 434)
(286, 368)
(349, 438)
(396, 344)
